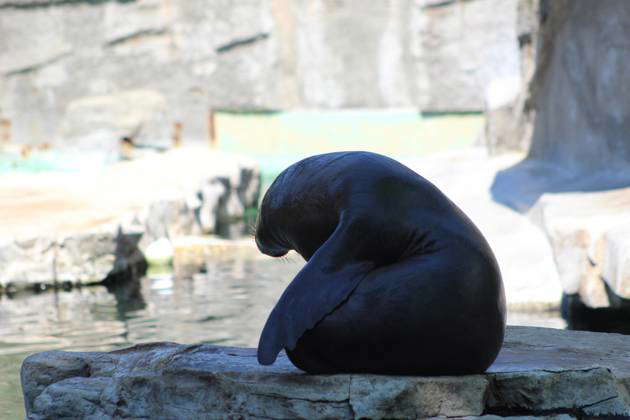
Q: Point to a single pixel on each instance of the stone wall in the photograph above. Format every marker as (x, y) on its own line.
(573, 108)
(60, 56)
(466, 46)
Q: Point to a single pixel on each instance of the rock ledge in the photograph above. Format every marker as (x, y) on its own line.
(540, 372)
(83, 228)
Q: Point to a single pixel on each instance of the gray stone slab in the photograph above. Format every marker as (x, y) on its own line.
(467, 45)
(540, 373)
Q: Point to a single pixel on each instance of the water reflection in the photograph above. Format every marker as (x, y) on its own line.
(228, 303)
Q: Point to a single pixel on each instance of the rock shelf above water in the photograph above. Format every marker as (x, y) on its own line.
(83, 227)
(540, 372)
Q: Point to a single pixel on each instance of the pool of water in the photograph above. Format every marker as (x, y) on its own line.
(228, 304)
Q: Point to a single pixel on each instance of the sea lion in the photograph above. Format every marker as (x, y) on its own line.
(398, 279)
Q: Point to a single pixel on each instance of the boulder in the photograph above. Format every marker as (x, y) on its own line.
(94, 256)
(541, 373)
(89, 228)
(588, 233)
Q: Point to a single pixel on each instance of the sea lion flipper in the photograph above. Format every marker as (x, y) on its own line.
(323, 284)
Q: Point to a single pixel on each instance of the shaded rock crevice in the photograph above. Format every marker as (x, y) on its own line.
(40, 4)
(38, 66)
(241, 42)
(134, 36)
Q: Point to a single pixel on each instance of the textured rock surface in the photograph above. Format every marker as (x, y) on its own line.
(540, 372)
(467, 45)
(508, 121)
(86, 257)
(83, 229)
(97, 122)
(589, 237)
(61, 57)
(573, 111)
(501, 113)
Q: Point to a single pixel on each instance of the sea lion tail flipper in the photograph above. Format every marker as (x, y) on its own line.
(323, 284)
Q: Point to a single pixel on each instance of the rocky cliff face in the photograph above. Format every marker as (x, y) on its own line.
(573, 108)
(59, 56)
(573, 116)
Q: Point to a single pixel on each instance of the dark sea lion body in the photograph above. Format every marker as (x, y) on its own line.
(398, 279)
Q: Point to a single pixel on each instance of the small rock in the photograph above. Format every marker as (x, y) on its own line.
(159, 252)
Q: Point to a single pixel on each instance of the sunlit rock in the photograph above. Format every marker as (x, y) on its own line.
(588, 233)
(159, 252)
(572, 112)
(136, 115)
(64, 81)
(60, 227)
(540, 372)
(466, 46)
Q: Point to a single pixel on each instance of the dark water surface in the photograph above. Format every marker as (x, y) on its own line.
(226, 305)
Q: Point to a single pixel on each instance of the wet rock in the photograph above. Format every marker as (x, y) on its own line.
(541, 373)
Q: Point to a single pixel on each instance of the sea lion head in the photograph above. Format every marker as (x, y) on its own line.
(295, 214)
(269, 238)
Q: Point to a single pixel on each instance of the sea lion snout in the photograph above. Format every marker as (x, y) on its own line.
(274, 252)
(267, 248)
